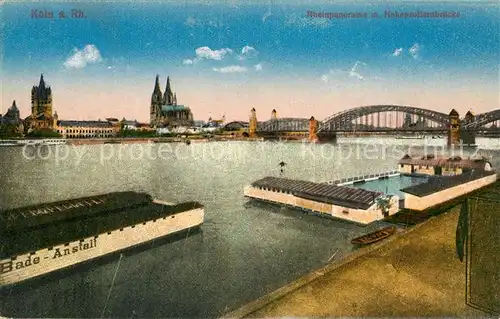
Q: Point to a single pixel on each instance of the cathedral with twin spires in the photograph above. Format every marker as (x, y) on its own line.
(164, 109)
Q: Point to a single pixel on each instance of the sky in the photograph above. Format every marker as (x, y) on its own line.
(226, 57)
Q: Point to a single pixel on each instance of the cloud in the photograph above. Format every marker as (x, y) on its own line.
(231, 69)
(207, 53)
(80, 58)
(397, 52)
(354, 70)
(414, 50)
(336, 75)
(247, 52)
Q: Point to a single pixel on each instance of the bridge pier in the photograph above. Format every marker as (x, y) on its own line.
(454, 128)
(468, 136)
(313, 130)
(252, 124)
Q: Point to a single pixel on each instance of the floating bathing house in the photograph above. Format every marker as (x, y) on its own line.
(421, 183)
(352, 204)
(40, 239)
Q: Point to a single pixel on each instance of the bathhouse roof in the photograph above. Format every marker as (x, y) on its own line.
(40, 215)
(331, 194)
(453, 162)
(34, 230)
(438, 183)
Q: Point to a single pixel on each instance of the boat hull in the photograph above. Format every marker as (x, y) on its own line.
(50, 259)
(374, 237)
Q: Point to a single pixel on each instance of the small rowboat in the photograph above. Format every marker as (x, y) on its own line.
(374, 237)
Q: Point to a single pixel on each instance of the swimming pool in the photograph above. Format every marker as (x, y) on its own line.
(391, 185)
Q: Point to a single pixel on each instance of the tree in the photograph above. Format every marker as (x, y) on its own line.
(384, 204)
(9, 130)
(44, 132)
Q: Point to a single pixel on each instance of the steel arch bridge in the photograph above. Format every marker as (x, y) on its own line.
(481, 120)
(284, 125)
(383, 118)
(343, 121)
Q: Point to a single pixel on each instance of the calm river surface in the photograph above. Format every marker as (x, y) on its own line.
(244, 250)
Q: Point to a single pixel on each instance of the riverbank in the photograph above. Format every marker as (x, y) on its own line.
(415, 273)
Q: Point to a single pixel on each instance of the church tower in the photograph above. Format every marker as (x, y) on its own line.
(13, 112)
(156, 102)
(41, 100)
(168, 98)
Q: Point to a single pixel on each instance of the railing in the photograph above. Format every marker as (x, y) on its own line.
(367, 177)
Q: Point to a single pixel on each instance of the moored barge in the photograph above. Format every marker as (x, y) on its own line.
(40, 239)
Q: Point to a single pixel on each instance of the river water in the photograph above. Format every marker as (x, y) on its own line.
(244, 249)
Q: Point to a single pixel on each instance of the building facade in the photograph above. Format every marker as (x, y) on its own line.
(431, 165)
(41, 107)
(165, 111)
(86, 129)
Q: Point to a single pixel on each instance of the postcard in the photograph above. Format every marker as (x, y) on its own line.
(264, 158)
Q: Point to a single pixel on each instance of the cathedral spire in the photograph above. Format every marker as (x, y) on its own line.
(168, 89)
(168, 96)
(157, 84)
(156, 97)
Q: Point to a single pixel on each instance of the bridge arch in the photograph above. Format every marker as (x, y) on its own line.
(483, 119)
(235, 125)
(287, 124)
(343, 120)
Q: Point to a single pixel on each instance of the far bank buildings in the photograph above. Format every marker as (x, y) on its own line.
(164, 112)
